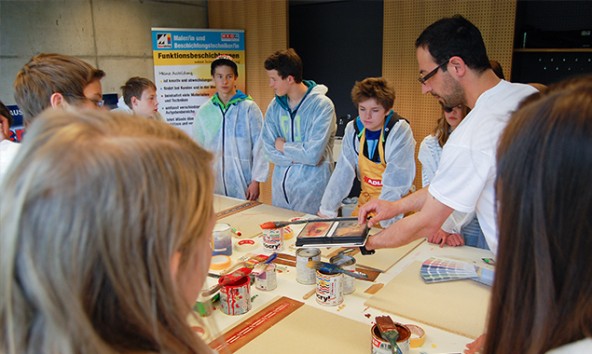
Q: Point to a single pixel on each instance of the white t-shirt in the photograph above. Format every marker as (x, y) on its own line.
(8, 150)
(466, 175)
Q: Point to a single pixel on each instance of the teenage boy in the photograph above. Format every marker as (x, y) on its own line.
(229, 125)
(455, 69)
(378, 147)
(298, 134)
(56, 80)
(139, 96)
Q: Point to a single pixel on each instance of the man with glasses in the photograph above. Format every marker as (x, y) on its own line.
(455, 69)
(56, 80)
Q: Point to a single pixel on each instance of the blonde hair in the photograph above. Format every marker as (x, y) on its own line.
(443, 130)
(94, 207)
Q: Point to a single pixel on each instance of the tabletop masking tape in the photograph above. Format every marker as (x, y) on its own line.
(246, 245)
(220, 262)
(417, 338)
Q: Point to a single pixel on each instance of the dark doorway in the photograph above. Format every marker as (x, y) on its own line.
(340, 42)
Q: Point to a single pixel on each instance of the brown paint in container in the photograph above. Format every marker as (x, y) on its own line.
(381, 346)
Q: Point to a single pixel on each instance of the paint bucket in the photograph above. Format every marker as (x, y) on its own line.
(267, 280)
(329, 289)
(235, 299)
(381, 346)
(222, 240)
(273, 239)
(348, 205)
(304, 274)
(348, 263)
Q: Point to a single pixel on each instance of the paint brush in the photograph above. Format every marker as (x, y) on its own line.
(388, 331)
(259, 268)
(228, 279)
(332, 268)
(278, 224)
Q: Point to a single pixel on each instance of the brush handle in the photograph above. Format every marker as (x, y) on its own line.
(279, 224)
(332, 268)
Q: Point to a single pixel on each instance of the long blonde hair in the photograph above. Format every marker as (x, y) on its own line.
(93, 209)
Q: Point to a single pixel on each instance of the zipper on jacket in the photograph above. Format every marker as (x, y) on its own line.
(284, 184)
(223, 147)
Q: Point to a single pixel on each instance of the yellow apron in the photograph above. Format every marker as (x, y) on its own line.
(371, 173)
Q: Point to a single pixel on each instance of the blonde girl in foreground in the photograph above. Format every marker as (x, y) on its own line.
(106, 221)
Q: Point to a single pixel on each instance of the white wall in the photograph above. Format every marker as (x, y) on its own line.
(113, 35)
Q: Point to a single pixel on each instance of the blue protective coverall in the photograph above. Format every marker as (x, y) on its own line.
(233, 133)
(302, 171)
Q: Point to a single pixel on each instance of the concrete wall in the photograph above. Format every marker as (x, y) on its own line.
(113, 35)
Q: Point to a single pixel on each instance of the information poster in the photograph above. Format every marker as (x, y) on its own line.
(16, 129)
(182, 75)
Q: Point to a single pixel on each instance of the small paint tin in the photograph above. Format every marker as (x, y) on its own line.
(273, 239)
(222, 240)
(329, 289)
(235, 299)
(304, 274)
(348, 263)
(267, 279)
(381, 346)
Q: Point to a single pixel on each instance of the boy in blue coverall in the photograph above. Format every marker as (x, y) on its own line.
(229, 125)
(298, 134)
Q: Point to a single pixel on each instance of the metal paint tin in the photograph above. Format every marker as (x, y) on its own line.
(222, 240)
(273, 239)
(348, 263)
(305, 275)
(267, 280)
(235, 299)
(381, 346)
(329, 289)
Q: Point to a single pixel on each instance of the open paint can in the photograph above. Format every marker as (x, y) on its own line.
(329, 289)
(381, 346)
(222, 240)
(273, 239)
(266, 280)
(304, 274)
(235, 299)
(345, 262)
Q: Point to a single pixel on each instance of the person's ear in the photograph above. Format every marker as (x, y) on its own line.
(134, 101)
(458, 66)
(175, 262)
(57, 100)
(5, 131)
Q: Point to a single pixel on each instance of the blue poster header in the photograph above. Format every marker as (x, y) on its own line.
(199, 39)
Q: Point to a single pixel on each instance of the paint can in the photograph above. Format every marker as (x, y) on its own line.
(329, 289)
(222, 240)
(235, 299)
(304, 274)
(348, 263)
(273, 239)
(381, 346)
(267, 279)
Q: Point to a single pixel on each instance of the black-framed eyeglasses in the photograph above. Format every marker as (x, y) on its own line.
(422, 79)
(98, 103)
